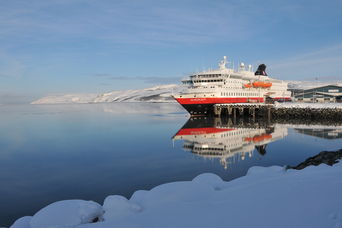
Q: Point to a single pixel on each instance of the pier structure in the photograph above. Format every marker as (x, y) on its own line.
(233, 108)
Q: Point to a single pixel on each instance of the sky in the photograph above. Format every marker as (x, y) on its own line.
(84, 46)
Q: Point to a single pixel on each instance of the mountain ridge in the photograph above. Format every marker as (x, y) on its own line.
(157, 93)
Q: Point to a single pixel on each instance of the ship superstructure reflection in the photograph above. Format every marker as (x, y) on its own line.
(227, 139)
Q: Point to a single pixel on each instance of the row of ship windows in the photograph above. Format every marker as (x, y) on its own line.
(325, 98)
(201, 148)
(238, 94)
(234, 133)
(207, 76)
(213, 80)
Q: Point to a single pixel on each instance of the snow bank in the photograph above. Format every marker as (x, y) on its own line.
(66, 214)
(308, 105)
(265, 197)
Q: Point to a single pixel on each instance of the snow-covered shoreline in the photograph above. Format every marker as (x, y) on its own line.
(265, 197)
(308, 105)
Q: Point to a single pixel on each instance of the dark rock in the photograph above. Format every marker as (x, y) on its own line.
(325, 157)
(329, 155)
(318, 158)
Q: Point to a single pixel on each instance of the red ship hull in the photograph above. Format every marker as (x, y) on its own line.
(205, 106)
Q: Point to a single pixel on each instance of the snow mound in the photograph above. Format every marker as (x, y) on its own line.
(176, 192)
(67, 213)
(118, 207)
(210, 179)
(255, 170)
(23, 222)
(138, 196)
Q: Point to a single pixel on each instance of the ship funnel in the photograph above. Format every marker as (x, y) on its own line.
(261, 70)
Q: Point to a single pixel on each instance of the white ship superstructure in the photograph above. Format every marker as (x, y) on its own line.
(225, 85)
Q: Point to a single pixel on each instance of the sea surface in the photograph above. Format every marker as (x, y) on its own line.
(50, 153)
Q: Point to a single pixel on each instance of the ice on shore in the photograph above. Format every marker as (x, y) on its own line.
(265, 197)
(308, 105)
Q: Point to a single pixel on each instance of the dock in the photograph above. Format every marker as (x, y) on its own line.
(233, 108)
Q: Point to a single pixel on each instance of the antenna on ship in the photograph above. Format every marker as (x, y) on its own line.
(223, 62)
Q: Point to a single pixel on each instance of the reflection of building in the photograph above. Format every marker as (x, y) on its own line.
(214, 137)
(325, 133)
(328, 93)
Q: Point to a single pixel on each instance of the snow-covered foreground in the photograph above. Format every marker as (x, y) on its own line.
(265, 197)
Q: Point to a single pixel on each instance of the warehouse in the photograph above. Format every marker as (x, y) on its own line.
(328, 93)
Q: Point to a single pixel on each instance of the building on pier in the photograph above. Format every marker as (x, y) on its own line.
(323, 94)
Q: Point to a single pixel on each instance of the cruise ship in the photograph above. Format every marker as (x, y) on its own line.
(225, 85)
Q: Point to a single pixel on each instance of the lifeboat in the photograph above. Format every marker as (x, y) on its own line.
(249, 85)
(258, 138)
(267, 136)
(248, 139)
(267, 84)
(262, 137)
(258, 84)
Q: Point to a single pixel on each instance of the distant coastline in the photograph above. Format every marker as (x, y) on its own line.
(157, 93)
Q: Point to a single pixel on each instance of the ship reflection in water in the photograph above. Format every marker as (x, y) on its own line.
(228, 139)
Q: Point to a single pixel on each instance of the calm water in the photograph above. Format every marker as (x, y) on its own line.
(89, 151)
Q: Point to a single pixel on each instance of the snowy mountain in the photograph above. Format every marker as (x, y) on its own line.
(158, 93)
(310, 84)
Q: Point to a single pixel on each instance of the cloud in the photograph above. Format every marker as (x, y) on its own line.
(99, 75)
